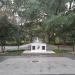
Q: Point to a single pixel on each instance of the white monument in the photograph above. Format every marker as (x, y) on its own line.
(38, 46)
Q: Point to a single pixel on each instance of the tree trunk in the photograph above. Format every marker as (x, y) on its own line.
(2, 48)
(24, 41)
(58, 47)
(18, 47)
(3, 45)
(73, 47)
(48, 37)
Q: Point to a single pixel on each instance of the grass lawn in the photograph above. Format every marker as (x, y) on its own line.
(61, 51)
(11, 53)
(58, 52)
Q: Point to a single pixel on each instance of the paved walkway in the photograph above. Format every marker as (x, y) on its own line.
(36, 65)
(27, 47)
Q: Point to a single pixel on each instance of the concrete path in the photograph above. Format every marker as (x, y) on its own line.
(27, 47)
(36, 65)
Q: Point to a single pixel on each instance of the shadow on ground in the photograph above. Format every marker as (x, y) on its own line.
(2, 58)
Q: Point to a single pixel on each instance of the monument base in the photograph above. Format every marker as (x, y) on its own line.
(42, 52)
(38, 51)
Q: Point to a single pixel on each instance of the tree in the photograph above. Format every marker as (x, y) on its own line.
(5, 29)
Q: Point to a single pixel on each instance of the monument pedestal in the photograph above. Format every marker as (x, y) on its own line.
(38, 47)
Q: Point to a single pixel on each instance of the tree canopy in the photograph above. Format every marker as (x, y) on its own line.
(37, 18)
